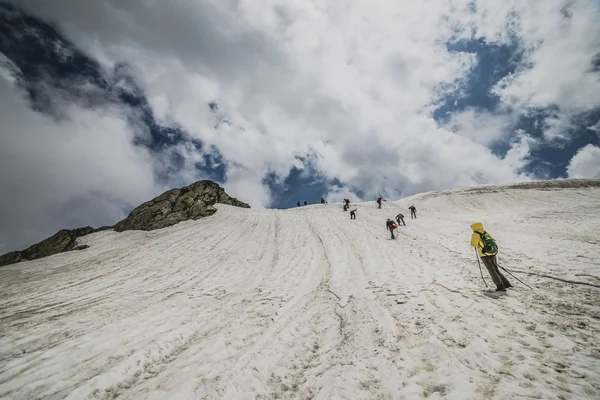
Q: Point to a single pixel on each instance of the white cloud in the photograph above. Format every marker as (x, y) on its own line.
(353, 83)
(559, 40)
(68, 173)
(481, 127)
(595, 128)
(586, 163)
(520, 150)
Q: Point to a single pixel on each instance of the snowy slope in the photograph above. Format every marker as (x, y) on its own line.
(305, 303)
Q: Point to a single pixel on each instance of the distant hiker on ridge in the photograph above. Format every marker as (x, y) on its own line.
(391, 225)
(305, 202)
(413, 211)
(323, 201)
(298, 203)
(379, 201)
(487, 250)
(353, 213)
(400, 218)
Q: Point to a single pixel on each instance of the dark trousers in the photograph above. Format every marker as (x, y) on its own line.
(413, 214)
(352, 215)
(491, 264)
(392, 232)
(400, 219)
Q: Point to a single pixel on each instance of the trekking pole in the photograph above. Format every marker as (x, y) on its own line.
(480, 270)
(516, 278)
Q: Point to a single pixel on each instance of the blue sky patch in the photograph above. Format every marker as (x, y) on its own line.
(494, 62)
(49, 64)
(301, 184)
(548, 158)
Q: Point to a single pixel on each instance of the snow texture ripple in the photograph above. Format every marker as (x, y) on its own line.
(306, 303)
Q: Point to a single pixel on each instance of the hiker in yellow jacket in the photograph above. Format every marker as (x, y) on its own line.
(488, 256)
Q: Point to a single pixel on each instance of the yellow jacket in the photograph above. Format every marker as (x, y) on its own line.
(476, 241)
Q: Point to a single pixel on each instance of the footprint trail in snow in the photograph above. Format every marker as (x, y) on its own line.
(305, 303)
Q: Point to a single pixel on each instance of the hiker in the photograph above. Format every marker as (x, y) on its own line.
(391, 225)
(305, 202)
(413, 211)
(487, 250)
(298, 203)
(353, 213)
(347, 203)
(379, 201)
(400, 218)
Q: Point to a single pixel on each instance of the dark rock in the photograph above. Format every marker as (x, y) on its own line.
(63, 240)
(10, 258)
(189, 203)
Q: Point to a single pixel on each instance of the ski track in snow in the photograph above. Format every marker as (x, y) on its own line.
(306, 303)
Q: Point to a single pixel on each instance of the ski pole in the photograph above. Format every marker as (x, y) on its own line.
(516, 278)
(480, 270)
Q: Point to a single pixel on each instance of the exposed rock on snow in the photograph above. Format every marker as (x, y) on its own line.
(306, 303)
(63, 240)
(191, 202)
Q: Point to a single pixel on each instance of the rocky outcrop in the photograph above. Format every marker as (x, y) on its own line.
(191, 202)
(63, 240)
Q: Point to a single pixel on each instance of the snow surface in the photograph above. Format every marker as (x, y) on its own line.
(305, 303)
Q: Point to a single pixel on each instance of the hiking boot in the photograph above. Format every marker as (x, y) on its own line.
(507, 286)
(501, 289)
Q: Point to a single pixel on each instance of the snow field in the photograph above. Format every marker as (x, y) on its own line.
(305, 303)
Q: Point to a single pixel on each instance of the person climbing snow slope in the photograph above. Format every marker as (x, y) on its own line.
(391, 225)
(400, 218)
(413, 211)
(353, 213)
(487, 250)
(379, 201)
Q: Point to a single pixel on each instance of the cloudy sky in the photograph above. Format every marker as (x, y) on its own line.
(105, 104)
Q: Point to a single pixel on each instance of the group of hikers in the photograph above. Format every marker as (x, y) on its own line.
(391, 225)
(481, 240)
(323, 201)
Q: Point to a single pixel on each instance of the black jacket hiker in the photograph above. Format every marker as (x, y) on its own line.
(400, 218)
(413, 211)
(390, 226)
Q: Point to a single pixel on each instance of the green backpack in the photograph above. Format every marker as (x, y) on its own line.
(489, 244)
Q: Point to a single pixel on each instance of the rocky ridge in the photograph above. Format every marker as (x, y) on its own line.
(188, 203)
(191, 202)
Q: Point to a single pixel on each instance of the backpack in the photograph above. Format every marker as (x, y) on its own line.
(394, 225)
(489, 244)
